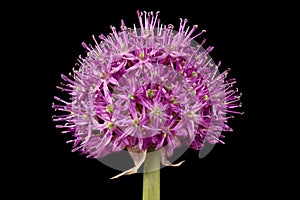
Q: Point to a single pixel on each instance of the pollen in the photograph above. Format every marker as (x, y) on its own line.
(173, 100)
(109, 108)
(102, 75)
(135, 122)
(156, 111)
(109, 125)
(132, 97)
(194, 74)
(150, 93)
(142, 55)
(85, 117)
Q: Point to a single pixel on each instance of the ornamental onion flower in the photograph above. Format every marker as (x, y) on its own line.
(146, 89)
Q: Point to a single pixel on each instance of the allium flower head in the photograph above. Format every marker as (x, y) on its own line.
(146, 88)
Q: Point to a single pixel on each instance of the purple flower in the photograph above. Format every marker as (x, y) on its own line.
(146, 88)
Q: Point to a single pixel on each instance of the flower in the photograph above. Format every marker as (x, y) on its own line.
(146, 88)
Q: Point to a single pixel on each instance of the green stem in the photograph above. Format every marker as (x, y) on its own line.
(151, 179)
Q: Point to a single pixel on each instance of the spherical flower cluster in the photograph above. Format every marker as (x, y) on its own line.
(146, 88)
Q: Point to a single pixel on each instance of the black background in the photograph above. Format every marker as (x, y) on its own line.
(240, 168)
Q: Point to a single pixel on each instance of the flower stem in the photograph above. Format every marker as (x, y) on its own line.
(151, 179)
